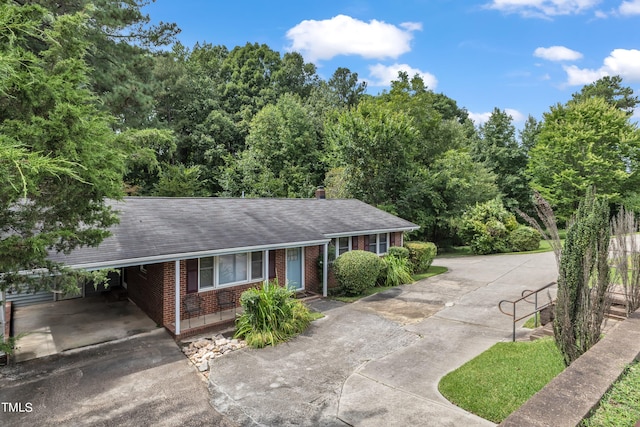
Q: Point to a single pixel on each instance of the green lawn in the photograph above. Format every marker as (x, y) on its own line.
(432, 271)
(620, 407)
(498, 381)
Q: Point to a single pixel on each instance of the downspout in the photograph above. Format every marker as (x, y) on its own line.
(265, 273)
(325, 269)
(177, 263)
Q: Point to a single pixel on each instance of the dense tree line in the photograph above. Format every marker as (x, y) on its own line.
(95, 102)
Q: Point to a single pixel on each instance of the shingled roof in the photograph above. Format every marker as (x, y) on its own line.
(158, 229)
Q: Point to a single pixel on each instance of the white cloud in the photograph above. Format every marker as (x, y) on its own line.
(482, 118)
(557, 53)
(382, 75)
(516, 115)
(479, 118)
(344, 35)
(622, 62)
(630, 7)
(542, 8)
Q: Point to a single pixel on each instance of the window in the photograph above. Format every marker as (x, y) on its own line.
(377, 243)
(230, 269)
(206, 273)
(342, 244)
(383, 245)
(373, 243)
(256, 265)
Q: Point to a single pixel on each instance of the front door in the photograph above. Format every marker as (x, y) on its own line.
(295, 276)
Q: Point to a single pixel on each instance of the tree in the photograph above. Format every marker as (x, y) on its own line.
(582, 144)
(119, 55)
(583, 279)
(283, 157)
(376, 146)
(611, 90)
(344, 84)
(49, 117)
(529, 134)
(499, 151)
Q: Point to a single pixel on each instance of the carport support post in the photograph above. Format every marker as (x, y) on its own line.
(177, 297)
(3, 300)
(325, 269)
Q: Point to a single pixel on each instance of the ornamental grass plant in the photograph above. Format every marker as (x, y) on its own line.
(270, 315)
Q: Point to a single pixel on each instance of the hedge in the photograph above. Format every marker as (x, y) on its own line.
(356, 271)
(421, 255)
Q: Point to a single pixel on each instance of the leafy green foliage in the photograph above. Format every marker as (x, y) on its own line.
(421, 255)
(49, 117)
(356, 271)
(611, 90)
(270, 315)
(583, 279)
(524, 239)
(493, 384)
(398, 252)
(487, 227)
(498, 150)
(582, 144)
(396, 270)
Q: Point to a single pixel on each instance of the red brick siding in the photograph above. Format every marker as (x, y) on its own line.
(147, 290)
(312, 280)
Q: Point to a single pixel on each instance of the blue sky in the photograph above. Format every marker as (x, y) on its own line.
(521, 56)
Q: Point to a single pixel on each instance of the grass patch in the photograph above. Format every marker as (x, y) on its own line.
(621, 405)
(315, 315)
(501, 379)
(531, 322)
(432, 271)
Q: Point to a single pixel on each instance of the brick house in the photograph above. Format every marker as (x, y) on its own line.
(168, 248)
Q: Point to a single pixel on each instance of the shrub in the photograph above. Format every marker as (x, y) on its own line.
(397, 270)
(487, 226)
(524, 239)
(357, 271)
(398, 252)
(421, 255)
(271, 315)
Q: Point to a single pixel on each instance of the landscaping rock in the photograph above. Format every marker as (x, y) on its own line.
(203, 352)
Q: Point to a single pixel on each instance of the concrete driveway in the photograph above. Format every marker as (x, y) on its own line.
(144, 380)
(378, 361)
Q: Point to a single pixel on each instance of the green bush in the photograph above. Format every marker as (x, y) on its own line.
(357, 271)
(270, 315)
(398, 252)
(524, 239)
(397, 270)
(421, 255)
(487, 226)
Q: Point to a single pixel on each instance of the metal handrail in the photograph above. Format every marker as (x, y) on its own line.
(525, 294)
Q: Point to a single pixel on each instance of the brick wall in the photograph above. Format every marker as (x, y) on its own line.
(147, 290)
(312, 280)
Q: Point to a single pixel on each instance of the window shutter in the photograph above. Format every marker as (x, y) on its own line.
(392, 239)
(192, 275)
(354, 243)
(366, 243)
(272, 265)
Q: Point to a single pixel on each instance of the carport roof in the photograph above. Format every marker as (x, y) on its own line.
(158, 229)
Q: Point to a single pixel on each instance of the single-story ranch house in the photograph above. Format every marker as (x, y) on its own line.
(167, 249)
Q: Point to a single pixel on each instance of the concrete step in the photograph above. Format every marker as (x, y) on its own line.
(542, 331)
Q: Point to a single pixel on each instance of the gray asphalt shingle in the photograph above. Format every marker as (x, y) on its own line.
(166, 228)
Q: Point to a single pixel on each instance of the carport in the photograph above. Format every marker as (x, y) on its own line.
(60, 326)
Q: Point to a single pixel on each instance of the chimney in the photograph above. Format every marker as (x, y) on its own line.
(320, 193)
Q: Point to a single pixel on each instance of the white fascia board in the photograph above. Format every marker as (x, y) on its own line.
(366, 232)
(188, 255)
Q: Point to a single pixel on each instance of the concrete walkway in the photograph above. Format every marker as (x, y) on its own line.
(378, 361)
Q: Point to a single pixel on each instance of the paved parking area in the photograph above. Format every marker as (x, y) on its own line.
(140, 381)
(378, 362)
